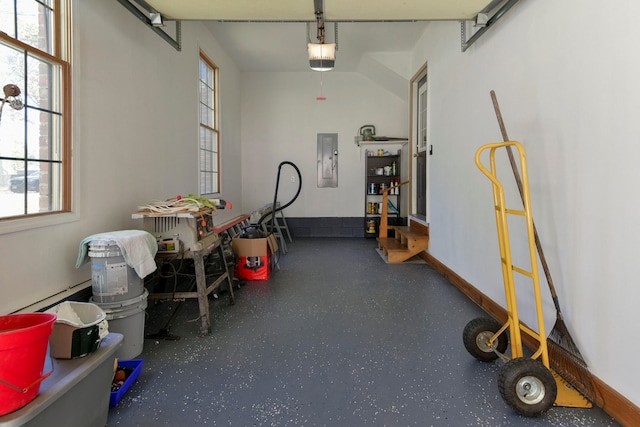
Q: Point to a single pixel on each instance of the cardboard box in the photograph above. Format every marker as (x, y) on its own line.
(254, 257)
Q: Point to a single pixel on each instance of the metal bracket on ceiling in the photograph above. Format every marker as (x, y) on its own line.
(484, 20)
(154, 20)
(318, 10)
(318, 7)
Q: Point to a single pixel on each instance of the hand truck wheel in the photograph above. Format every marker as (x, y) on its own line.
(476, 336)
(527, 386)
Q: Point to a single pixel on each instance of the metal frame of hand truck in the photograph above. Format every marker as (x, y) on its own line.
(566, 395)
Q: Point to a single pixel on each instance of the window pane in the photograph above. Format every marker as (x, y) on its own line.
(207, 159)
(12, 132)
(205, 94)
(210, 76)
(43, 136)
(11, 202)
(203, 137)
(12, 69)
(7, 17)
(203, 183)
(206, 74)
(208, 184)
(29, 190)
(203, 71)
(206, 116)
(35, 24)
(210, 120)
(43, 89)
(203, 114)
(214, 141)
(48, 187)
(209, 140)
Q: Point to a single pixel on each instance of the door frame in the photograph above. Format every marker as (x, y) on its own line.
(413, 144)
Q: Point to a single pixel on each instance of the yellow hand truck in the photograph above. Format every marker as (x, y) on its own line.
(527, 384)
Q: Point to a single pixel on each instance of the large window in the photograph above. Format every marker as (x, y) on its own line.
(209, 133)
(35, 141)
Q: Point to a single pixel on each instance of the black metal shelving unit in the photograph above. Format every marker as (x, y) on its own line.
(377, 178)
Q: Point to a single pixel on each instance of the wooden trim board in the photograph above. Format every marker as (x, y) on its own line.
(612, 402)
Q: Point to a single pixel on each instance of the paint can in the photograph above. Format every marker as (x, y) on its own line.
(127, 318)
(112, 279)
(371, 227)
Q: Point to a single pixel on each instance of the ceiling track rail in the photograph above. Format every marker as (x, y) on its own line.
(176, 42)
(484, 22)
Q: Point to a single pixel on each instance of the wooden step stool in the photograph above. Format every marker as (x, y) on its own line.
(407, 242)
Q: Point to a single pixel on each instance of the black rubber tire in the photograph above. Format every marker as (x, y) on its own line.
(527, 386)
(478, 332)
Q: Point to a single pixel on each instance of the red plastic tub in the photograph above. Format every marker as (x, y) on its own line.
(23, 349)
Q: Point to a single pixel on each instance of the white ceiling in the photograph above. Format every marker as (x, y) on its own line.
(271, 35)
(303, 10)
(283, 46)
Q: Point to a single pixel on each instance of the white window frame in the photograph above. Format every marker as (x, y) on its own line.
(59, 55)
(208, 132)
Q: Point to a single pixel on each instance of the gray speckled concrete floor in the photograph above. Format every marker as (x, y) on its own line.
(335, 338)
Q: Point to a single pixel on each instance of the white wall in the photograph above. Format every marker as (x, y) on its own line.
(135, 140)
(565, 74)
(280, 121)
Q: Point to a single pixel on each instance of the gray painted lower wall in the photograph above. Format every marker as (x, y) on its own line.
(330, 226)
(326, 227)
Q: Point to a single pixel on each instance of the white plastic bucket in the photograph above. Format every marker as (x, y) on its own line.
(112, 279)
(127, 318)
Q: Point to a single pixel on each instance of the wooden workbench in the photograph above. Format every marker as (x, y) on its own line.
(202, 289)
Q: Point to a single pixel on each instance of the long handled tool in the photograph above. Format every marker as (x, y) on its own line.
(564, 356)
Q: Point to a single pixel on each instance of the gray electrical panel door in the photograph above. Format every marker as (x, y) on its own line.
(327, 160)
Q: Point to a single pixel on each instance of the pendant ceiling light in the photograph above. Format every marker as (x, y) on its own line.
(322, 56)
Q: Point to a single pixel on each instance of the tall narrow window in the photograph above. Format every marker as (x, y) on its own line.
(35, 141)
(209, 133)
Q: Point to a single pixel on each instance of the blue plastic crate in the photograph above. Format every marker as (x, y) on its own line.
(136, 365)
